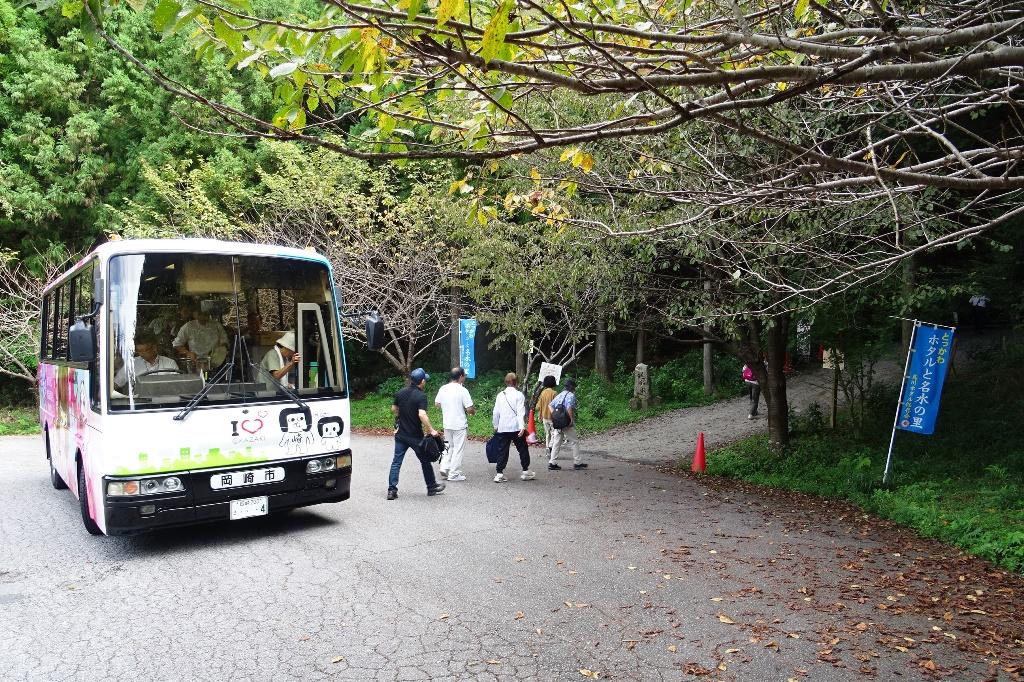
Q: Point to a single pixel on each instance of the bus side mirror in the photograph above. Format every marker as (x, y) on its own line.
(374, 332)
(80, 342)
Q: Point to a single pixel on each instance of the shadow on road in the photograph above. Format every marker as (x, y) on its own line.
(223, 533)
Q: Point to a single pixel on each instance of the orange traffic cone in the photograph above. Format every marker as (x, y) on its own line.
(699, 464)
(531, 430)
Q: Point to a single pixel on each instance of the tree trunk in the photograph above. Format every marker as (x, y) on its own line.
(774, 383)
(641, 342)
(454, 356)
(520, 361)
(601, 350)
(709, 377)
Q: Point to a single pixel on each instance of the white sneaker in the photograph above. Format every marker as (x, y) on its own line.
(500, 478)
(456, 476)
(527, 476)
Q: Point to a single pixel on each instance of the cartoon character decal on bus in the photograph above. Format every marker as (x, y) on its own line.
(295, 424)
(330, 429)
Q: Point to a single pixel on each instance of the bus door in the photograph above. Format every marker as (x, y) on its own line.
(316, 368)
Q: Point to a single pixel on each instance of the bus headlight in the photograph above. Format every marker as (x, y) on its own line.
(317, 466)
(145, 486)
(122, 488)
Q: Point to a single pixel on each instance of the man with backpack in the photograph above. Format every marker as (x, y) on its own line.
(563, 420)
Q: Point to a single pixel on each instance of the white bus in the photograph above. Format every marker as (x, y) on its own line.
(191, 380)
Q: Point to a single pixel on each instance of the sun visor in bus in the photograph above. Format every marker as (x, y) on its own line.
(206, 275)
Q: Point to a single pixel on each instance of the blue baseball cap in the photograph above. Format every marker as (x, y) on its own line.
(418, 375)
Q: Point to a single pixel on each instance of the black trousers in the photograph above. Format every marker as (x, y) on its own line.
(508, 438)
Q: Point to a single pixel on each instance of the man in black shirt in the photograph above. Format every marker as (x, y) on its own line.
(410, 410)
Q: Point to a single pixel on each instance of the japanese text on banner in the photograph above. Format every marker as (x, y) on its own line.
(467, 346)
(919, 403)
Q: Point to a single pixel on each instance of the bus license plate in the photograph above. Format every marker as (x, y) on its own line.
(250, 506)
(235, 479)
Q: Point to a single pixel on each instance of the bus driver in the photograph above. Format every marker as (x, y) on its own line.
(282, 359)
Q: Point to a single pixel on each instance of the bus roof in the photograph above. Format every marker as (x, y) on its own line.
(191, 245)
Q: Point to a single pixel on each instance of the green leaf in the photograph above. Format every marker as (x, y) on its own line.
(164, 14)
(801, 8)
(414, 9)
(72, 8)
(231, 37)
(448, 10)
(494, 34)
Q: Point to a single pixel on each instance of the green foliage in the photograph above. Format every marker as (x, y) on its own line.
(16, 421)
(964, 485)
(80, 129)
(603, 405)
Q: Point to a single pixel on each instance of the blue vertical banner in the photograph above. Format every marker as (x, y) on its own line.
(467, 346)
(926, 372)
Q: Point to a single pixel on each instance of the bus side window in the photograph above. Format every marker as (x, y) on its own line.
(45, 327)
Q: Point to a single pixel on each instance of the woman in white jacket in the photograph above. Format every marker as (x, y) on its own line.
(509, 420)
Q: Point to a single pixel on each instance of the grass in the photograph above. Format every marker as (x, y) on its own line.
(963, 486)
(603, 405)
(20, 420)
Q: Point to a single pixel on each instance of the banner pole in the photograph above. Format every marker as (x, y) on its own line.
(887, 474)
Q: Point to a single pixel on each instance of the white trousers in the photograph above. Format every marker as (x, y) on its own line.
(451, 461)
(566, 436)
(549, 433)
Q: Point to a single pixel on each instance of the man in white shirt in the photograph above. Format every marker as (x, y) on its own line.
(282, 359)
(202, 337)
(146, 361)
(455, 403)
(509, 422)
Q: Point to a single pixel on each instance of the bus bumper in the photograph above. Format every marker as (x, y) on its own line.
(201, 504)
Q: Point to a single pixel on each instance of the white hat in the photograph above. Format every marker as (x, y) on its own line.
(287, 341)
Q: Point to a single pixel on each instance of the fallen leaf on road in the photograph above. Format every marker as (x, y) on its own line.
(539, 631)
(696, 669)
(520, 558)
(592, 674)
(492, 661)
(304, 638)
(723, 667)
(519, 615)
(337, 659)
(722, 618)
(731, 651)
(671, 648)
(630, 643)
(717, 598)
(928, 664)
(861, 626)
(443, 616)
(792, 635)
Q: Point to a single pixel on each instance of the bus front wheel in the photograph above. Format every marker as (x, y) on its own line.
(55, 480)
(83, 500)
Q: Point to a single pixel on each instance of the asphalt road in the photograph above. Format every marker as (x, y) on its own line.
(623, 571)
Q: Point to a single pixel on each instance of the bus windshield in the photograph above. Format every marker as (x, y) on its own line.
(252, 326)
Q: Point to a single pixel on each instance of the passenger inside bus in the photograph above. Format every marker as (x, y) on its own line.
(282, 361)
(203, 339)
(146, 361)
